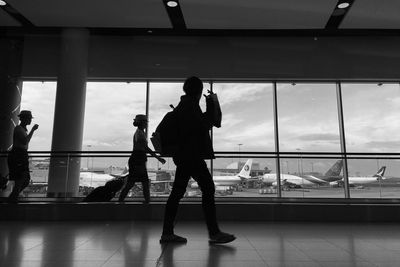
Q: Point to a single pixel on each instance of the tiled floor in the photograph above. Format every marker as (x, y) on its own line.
(70, 244)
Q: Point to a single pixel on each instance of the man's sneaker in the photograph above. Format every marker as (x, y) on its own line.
(172, 239)
(221, 238)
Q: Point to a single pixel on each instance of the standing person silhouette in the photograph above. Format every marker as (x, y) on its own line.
(194, 146)
(137, 160)
(18, 159)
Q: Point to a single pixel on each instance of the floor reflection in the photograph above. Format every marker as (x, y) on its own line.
(123, 244)
(58, 243)
(11, 247)
(136, 251)
(167, 257)
(216, 253)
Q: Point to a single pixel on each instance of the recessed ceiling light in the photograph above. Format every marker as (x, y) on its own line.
(2, 3)
(172, 3)
(343, 5)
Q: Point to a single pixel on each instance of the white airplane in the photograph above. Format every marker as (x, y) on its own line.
(332, 175)
(92, 179)
(293, 181)
(287, 180)
(87, 179)
(359, 180)
(231, 180)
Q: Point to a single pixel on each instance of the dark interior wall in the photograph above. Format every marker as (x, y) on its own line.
(224, 57)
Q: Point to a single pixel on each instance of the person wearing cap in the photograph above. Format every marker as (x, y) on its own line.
(18, 160)
(194, 147)
(137, 160)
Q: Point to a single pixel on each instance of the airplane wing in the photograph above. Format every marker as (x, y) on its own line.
(314, 180)
(119, 175)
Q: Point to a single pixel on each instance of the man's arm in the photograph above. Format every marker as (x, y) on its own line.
(29, 136)
(142, 136)
(160, 159)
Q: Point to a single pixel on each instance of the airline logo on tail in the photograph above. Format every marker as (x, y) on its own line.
(335, 169)
(380, 173)
(245, 172)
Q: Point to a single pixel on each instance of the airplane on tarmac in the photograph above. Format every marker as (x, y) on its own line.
(92, 179)
(293, 181)
(287, 180)
(87, 180)
(360, 180)
(231, 180)
(332, 175)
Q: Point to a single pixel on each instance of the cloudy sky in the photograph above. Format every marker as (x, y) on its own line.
(307, 115)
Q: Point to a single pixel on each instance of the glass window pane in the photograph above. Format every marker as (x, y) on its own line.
(371, 117)
(242, 177)
(374, 178)
(109, 112)
(372, 123)
(311, 177)
(40, 98)
(308, 117)
(247, 117)
(247, 126)
(308, 122)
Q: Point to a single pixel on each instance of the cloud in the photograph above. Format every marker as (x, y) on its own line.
(319, 137)
(254, 137)
(379, 146)
(231, 93)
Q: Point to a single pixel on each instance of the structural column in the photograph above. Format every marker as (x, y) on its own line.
(11, 52)
(69, 113)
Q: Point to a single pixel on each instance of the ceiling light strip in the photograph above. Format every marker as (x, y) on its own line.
(338, 14)
(175, 14)
(16, 15)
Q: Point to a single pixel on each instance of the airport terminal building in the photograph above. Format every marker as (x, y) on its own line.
(309, 145)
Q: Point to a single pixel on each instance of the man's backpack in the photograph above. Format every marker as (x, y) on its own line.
(165, 138)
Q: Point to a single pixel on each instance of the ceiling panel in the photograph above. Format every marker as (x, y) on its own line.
(373, 14)
(94, 13)
(257, 14)
(7, 20)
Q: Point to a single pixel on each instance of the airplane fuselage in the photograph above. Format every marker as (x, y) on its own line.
(363, 180)
(270, 178)
(222, 181)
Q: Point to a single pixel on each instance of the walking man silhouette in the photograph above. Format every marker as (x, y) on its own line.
(18, 160)
(194, 146)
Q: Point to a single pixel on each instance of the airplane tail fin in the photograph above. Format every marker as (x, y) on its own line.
(380, 173)
(245, 172)
(335, 169)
